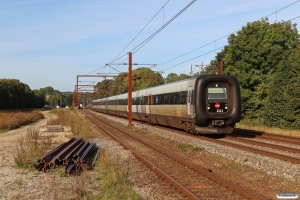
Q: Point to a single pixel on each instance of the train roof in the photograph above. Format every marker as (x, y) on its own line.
(167, 86)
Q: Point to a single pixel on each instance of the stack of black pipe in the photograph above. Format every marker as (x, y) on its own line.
(75, 155)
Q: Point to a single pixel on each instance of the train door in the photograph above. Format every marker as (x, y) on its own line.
(188, 100)
(138, 102)
(148, 104)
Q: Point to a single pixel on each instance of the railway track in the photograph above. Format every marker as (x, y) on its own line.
(267, 136)
(268, 153)
(242, 137)
(192, 181)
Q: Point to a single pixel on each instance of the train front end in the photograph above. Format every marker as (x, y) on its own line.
(217, 102)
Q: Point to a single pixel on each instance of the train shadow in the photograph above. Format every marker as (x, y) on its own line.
(214, 136)
(245, 133)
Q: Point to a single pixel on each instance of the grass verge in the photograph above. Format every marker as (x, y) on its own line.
(106, 181)
(274, 130)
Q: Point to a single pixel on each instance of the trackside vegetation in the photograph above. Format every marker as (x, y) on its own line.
(106, 181)
(13, 119)
(17, 95)
(265, 58)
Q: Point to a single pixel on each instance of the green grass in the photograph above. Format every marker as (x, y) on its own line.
(274, 130)
(188, 147)
(113, 180)
(4, 130)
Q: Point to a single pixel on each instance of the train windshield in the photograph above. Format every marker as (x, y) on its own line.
(216, 91)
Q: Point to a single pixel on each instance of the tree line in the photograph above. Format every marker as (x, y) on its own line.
(265, 58)
(141, 78)
(17, 95)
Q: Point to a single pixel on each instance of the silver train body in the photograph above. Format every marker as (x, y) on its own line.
(207, 104)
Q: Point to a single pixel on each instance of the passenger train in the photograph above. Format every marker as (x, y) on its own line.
(207, 104)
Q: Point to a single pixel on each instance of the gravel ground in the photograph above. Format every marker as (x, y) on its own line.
(143, 180)
(264, 174)
(267, 164)
(273, 170)
(290, 154)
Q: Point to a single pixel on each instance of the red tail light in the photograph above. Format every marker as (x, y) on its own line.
(217, 105)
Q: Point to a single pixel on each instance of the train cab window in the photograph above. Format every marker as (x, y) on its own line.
(216, 91)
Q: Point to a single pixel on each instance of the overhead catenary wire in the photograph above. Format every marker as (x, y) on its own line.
(138, 47)
(150, 37)
(118, 57)
(217, 40)
(210, 51)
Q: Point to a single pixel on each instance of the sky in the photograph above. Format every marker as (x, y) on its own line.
(51, 42)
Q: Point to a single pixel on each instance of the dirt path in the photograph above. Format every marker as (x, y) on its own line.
(17, 183)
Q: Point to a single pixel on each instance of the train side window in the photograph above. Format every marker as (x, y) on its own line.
(172, 98)
(139, 101)
(176, 98)
(161, 99)
(146, 100)
(166, 99)
(182, 97)
(156, 101)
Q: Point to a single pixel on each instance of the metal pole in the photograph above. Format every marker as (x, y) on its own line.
(77, 96)
(221, 67)
(130, 89)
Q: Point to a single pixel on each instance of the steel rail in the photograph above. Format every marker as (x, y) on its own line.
(205, 172)
(251, 149)
(268, 136)
(273, 146)
(173, 182)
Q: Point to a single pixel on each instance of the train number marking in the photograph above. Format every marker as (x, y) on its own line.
(219, 110)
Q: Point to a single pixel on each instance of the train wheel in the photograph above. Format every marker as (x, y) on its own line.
(188, 127)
